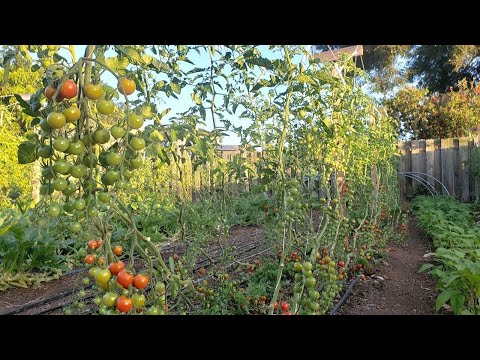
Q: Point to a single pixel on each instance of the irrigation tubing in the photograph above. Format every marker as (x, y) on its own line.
(68, 292)
(344, 297)
(44, 301)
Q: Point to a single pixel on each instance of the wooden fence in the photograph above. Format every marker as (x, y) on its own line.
(443, 159)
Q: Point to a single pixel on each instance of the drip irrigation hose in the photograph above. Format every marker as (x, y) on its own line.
(344, 297)
(44, 301)
(68, 292)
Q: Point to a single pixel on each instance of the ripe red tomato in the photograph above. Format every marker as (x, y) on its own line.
(341, 263)
(126, 86)
(202, 271)
(364, 247)
(123, 304)
(125, 279)
(49, 91)
(92, 244)
(140, 281)
(275, 305)
(69, 89)
(175, 257)
(287, 313)
(89, 259)
(116, 267)
(118, 250)
(284, 306)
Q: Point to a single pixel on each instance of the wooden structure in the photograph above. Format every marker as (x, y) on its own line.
(443, 159)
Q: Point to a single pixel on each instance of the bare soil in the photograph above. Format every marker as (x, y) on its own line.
(397, 288)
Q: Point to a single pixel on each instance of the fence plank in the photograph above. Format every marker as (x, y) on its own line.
(437, 165)
(456, 169)
(463, 169)
(430, 161)
(448, 170)
(408, 166)
(403, 168)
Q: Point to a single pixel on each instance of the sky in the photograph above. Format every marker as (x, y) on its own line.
(184, 100)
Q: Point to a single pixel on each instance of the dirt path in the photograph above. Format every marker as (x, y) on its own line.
(397, 288)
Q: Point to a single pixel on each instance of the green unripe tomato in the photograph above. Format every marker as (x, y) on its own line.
(135, 121)
(104, 106)
(137, 143)
(62, 166)
(45, 152)
(69, 190)
(76, 147)
(75, 227)
(53, 211)
(78, 171)
(101, 136)
(113, 158)
(60, 184)
(118, 132)
(61, 144)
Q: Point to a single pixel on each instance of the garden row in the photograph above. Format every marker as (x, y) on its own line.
(100, 163)
(456, 237)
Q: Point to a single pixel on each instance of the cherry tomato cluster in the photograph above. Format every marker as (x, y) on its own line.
(116, 277)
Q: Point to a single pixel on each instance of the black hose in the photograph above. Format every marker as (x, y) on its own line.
(344, 297)
(62, 306)
(68, 292)
(44, 301)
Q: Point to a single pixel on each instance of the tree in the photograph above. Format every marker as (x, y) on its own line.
(439, 67)
(15, 179)
(435, 67)
(424, 116)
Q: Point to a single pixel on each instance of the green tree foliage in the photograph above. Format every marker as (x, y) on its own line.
(438, 67)
(425, 116)
(15, 179)
(435, 67)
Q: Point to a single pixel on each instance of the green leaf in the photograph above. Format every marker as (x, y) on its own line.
(171, 262)
(176, 87)
(443, 298)
(173, 135)
(35, 67)
(197, 99)
(234, 107)
(146, 110)
(26, 153)
(425, 267)
(195, 70)
(22, 102)
(132, 54)
(202, 112)
(35, 121)
(305, 79)
(457, 302)
(117, 64)
(163, 113)
(260, 61)
(159, 65)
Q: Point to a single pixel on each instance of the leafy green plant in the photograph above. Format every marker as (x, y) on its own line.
(451, 225)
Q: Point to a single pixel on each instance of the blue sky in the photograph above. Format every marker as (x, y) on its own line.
(184, 100)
